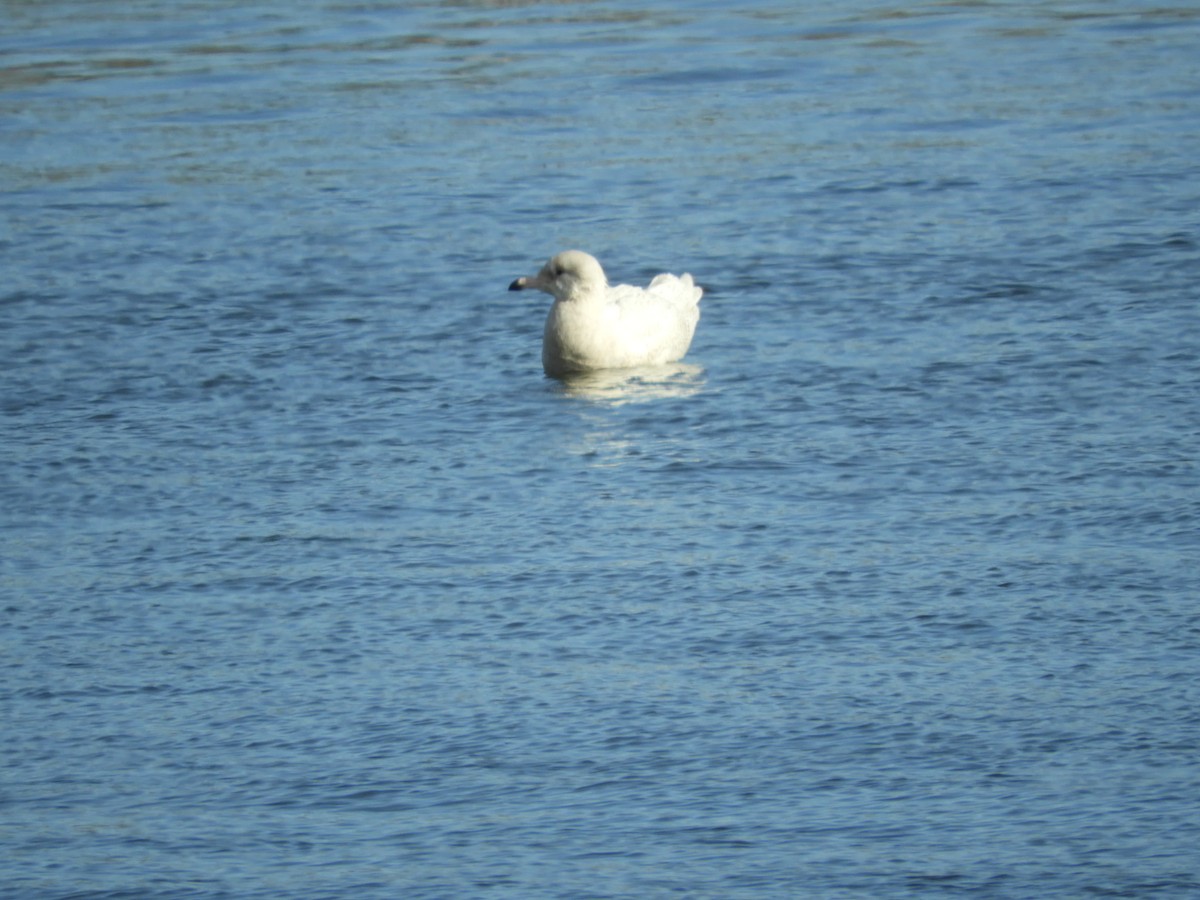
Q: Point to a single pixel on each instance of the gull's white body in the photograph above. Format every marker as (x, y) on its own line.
(593, 325)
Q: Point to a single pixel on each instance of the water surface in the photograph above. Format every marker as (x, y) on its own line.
(314, 586)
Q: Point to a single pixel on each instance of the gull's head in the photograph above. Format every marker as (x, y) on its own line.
(566, 275)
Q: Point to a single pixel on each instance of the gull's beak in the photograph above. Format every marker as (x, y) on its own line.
(519, 285)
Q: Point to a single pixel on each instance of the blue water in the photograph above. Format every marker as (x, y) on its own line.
(313, 586)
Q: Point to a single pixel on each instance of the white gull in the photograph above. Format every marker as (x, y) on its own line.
(593, 325)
